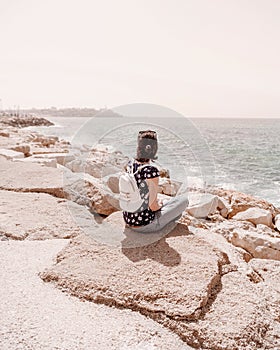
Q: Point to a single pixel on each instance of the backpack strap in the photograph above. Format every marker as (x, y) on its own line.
(139, 167)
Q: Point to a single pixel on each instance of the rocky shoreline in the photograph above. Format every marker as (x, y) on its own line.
(213, 281)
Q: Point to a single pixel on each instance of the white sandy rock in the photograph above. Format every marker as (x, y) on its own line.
(258, 245)
(168, 186)
(61, 158)
(10, 154)
(256, 216)
(44, 161)
(39, 216)
(167, 277)
(203, 204)
(24, 148)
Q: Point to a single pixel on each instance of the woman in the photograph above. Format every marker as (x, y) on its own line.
(153, 214)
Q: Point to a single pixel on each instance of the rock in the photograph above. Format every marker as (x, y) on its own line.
(91, 167)
(24, 148)
(4, 133)
(269, 270)
(22, 121)
(45, 141)
(267, 230)
(165, 279)
(61, 158)
(190, 220)
(168, 186)
(256, 216)
(241, 201)
(235, 318)
(180, 280)
(44, 161)
(277, 222)
(112, 182)
(84, 189)
(202, 205)
(258, 245)
(51, 217)
(32, 177)
(10, 154)
(102, 200)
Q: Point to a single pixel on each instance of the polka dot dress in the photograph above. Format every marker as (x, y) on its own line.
(145, 216)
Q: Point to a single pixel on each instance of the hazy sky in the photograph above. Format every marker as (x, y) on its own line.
(198, 57)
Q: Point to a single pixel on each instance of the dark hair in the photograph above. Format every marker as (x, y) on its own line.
(147, 146)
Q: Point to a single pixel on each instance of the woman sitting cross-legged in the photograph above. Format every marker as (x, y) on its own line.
(153, 215)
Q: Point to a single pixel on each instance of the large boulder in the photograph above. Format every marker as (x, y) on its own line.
(256, 241)
(256, 216)
(39, 216)
(203, 204)
(31, 177)
(61, 158)
(236, 317)
(10, 154)
(168, 186)
(240, 201)
(92, 167)
(257, 244)
(93, 193)
(24, 148)
(167, 278)
(59, 182)
(183, 280)
(43, 161)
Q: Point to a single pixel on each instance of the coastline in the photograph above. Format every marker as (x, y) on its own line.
(70, 191)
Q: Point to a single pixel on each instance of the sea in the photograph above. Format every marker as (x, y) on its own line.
(234, 153)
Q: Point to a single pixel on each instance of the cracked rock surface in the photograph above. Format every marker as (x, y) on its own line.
(35, 315)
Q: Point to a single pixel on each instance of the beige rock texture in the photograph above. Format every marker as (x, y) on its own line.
(257, 244)
(61, 158)
(38, 149)
(59, 182)
(203, 204)
(98, 162)
(168, 186)
(31, 177)
(24, 148)
(35, 315)
(21, 121)
(40, 216)
(164, 279)
(10, 154)
(277, 222)
(84, 189)
(197, 285)
(4, 133)
(256, 216)
(256, 241)
(45, 161)
(240, 201)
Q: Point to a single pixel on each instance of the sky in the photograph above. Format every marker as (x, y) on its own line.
(197, 57)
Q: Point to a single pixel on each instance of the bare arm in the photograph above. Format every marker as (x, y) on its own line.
(153, 191)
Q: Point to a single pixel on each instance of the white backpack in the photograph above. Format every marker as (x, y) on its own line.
(130, 199)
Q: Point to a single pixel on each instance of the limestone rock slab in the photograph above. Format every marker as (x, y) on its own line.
(10, 154)
(39, 216)
(256, 216)
(168, 277)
